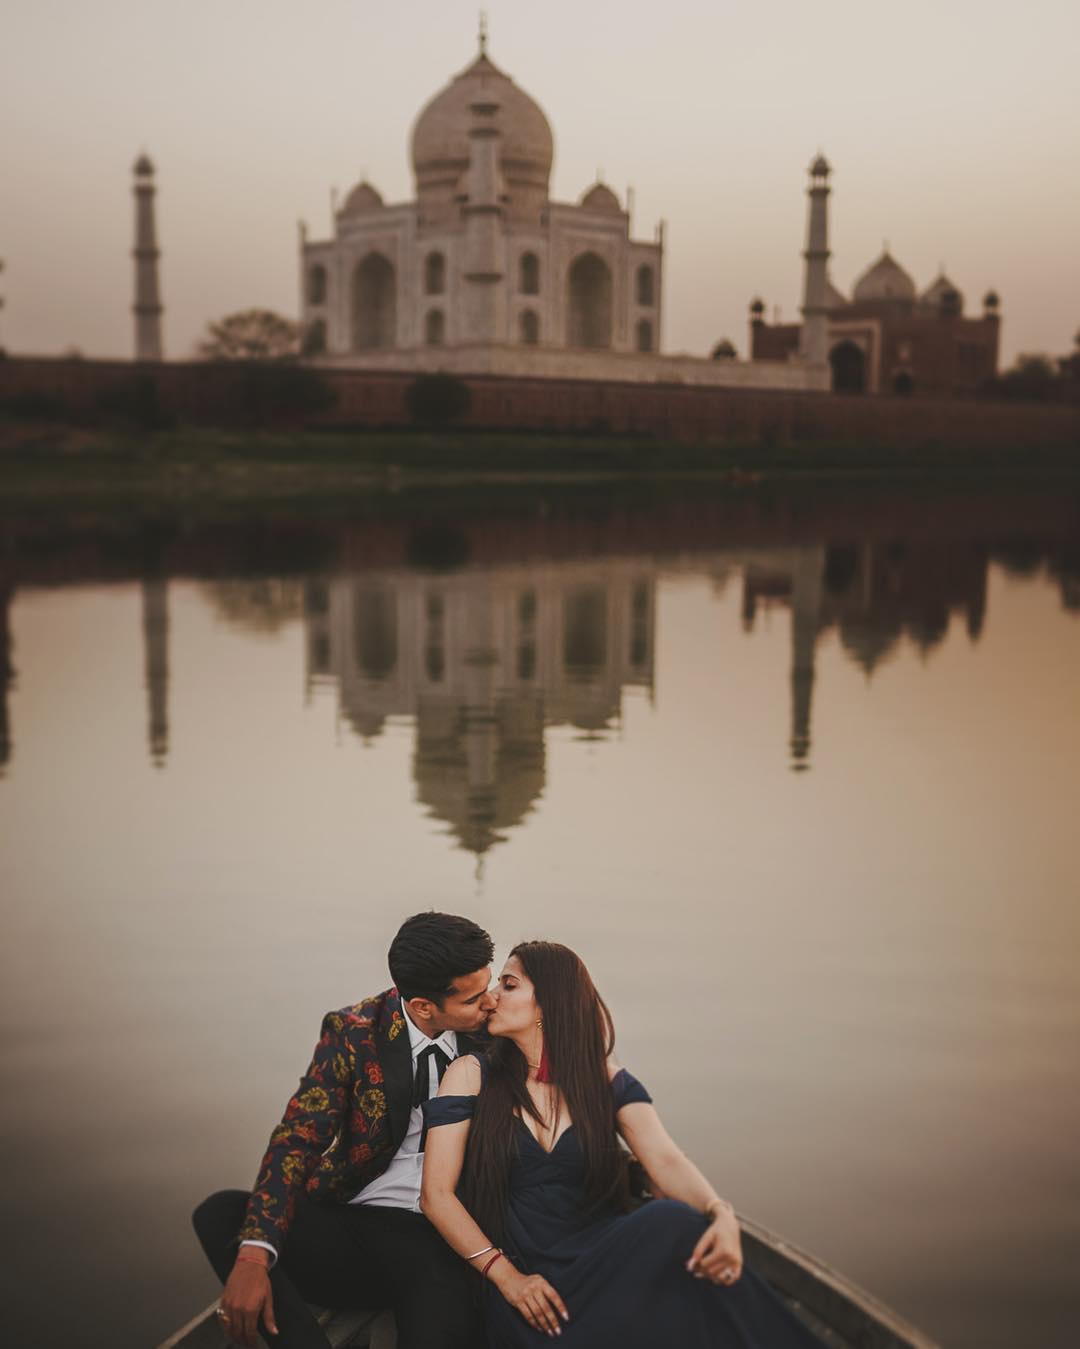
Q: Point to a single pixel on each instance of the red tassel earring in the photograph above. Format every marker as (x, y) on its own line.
(543, 1072)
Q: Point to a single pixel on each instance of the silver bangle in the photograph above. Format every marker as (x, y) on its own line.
(483, 1251)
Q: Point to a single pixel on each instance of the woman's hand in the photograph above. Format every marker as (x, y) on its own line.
(718, 1255)
(531, 1295)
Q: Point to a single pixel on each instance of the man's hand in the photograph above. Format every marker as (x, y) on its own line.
(532, 1296)
(718, 1255)
(246, 1297)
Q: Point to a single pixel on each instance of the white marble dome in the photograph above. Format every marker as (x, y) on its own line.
(600, 197)
(440, 142)
(885, 280)
(362, 199)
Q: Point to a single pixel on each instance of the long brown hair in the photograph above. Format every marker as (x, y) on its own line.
(578, 1036)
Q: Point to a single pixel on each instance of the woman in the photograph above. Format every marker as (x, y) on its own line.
(525, 1178)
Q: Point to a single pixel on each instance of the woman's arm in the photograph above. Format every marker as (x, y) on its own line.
(718, 1255)
(444, 1157)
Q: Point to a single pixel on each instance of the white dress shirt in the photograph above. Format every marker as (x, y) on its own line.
(399, 1184)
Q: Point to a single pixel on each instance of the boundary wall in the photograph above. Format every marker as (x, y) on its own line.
(219, 394)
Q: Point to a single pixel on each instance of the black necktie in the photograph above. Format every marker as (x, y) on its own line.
(422, 1080)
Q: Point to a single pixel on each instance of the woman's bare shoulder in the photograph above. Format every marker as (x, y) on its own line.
(462, 1078)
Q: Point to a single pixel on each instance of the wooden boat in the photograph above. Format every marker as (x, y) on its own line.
(843, 1316)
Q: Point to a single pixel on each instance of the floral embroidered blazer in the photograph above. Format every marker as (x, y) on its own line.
(345, 1120)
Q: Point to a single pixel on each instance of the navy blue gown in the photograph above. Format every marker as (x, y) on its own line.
(622, 1276)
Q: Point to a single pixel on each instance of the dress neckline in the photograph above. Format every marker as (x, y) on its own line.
(548, 1152)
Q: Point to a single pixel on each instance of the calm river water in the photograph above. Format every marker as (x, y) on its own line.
(799, 778)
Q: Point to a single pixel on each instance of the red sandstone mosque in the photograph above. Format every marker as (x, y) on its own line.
(889, 337)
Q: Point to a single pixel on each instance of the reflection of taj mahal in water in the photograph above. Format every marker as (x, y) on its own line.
(484, 660)
(872, 595)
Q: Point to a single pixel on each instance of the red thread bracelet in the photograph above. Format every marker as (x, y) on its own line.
(496, 1256)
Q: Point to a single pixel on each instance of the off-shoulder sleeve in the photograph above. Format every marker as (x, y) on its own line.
(627, 1089)
(447, 1110)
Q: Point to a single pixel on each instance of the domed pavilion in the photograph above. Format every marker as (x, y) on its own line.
(884, 281)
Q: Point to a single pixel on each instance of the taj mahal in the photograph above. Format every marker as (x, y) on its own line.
(484, 273)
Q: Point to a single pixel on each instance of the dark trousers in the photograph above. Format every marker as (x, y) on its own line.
(354, 1256)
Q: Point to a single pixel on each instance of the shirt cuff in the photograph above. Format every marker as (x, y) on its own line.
(266, 1247)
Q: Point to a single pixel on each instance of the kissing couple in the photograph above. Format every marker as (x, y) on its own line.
(458, 1150)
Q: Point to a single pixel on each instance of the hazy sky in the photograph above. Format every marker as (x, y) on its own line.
(953, 127)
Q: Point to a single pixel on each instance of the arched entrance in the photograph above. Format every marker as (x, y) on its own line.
(848, 363)
(585, 633)
(374, 304)
(313, 342)
(530, 327)
(375, 633)
(529, 277)
(434, 274)
(590, 302)
(435, 328)
(317, 284)
(903, 384)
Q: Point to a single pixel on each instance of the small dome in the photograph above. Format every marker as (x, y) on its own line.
(757, 306)
(724, 350)
(991, 300)
(942, 294)
(362, 199)
(144, 167)
(820, 168)
(885, 280)
(440, 140)
(600, 197)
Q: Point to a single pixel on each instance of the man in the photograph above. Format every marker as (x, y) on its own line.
(335, 1218)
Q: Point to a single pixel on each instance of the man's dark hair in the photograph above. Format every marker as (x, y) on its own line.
(431, 950)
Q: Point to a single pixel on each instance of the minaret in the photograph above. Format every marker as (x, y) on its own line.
(813, 344)
(155, 622)
(484, 291)
(807, 572)
(7, 673)
(147, 305)
(757, 325)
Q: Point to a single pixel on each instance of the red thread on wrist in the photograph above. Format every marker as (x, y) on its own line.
(496, 1256)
